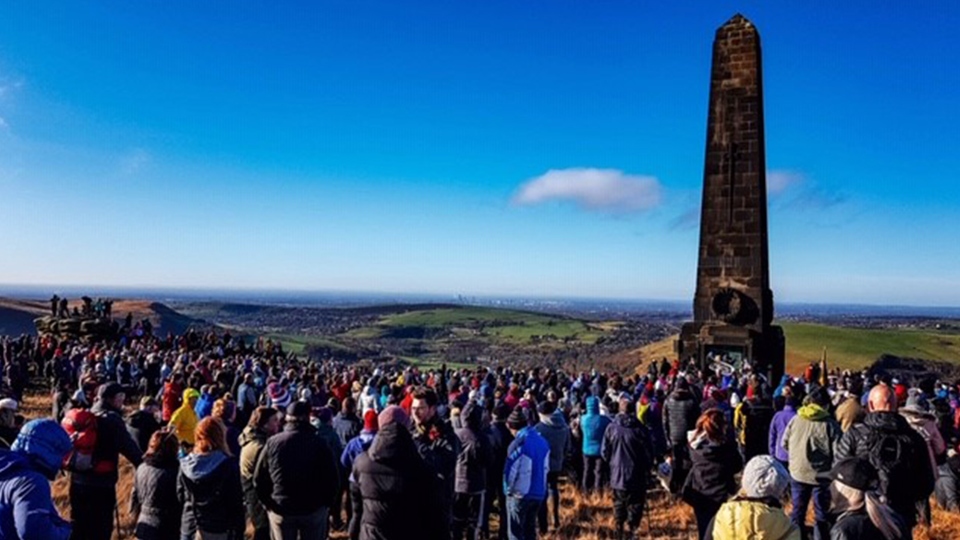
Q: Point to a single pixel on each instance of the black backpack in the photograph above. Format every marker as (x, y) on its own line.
(893, 454)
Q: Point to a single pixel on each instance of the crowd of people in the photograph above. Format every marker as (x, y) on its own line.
(231, 435)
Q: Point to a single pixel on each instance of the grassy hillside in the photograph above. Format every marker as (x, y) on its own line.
(503, 324)
(847, 348)
(858, 347)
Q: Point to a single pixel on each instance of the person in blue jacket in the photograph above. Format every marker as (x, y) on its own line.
(593, 425)
(26, 507)
(524, 477)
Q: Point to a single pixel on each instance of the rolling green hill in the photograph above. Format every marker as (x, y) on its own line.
(855, 348)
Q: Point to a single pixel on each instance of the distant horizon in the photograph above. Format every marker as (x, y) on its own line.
(308, 296)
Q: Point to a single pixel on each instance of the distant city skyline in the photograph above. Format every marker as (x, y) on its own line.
(496, 149)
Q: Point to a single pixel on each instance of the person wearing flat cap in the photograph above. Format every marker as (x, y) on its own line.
(861, 513)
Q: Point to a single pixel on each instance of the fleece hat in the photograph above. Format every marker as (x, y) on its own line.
(279, 396)
(764, 477)
(298, 410)
(393, 415)
(517, 420)
(108, 391)
(370, 421)
(9, 404)
(44, 443)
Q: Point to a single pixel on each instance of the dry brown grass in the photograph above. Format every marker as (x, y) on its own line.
(587, 517)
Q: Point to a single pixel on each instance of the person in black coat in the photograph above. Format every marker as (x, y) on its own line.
(143, 423)
(439, 447)
(500, 438)
(861, 513)
(391, 479)
(209, 486)
(154, 500)
(471, 473)
(715, 461)
(680, 412)
(297, 478)
(628, 451)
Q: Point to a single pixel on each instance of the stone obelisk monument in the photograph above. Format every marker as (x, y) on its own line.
(733, 305)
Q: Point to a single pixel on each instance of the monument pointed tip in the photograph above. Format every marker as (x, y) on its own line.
(738, 20)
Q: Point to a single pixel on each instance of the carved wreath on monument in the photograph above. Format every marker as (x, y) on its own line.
(732, 306)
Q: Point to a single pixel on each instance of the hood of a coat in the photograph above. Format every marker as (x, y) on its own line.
(471, 415)
(813, 412)
(251, 434)
(196, 467)
(12, 462)
(392, 443)
(555, 420)
(593, 405)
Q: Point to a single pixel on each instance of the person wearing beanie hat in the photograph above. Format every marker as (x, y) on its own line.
(756, 512)
(390, 483)
(525, 477)
(809, 439)
(861, 513)
(297, 478)
(322, 420)
(93, 493)
(554, 429)
(680, 413)
(353, 449)
(26, 506)
(279, 396)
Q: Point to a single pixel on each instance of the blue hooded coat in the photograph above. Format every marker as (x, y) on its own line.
(593, 425)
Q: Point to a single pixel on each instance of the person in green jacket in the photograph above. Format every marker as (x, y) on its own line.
(809, 439)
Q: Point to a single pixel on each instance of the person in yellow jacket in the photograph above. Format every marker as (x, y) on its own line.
(755, 512)
(184, 419)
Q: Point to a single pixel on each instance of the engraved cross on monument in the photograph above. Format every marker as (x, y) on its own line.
(733, 304)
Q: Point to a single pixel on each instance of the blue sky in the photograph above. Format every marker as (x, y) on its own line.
(506, 148)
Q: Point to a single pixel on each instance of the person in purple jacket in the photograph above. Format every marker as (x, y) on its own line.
(777, 428)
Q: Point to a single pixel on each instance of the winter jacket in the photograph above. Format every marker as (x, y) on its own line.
(556, 432)
(296, 473)
(680, 413)
(914, 481)
(113, 439)
(209, 489)
(500, 439)
(328, 435)
(396, 499)
(752, 420)
(777, 428)
(171, 399)
(439, 447)
(26, 505)
(347, 426)
(204, 406)
(185, 421)
(926, 426)
(528, 463)
(358, 445)
(857, 526)
(475, 455)
(593, 425)
(142, 425)
(628, 451)
(742, 518)
(154, 500)
(711, 476)
(947, 490)
(252, 441)
(809, 439)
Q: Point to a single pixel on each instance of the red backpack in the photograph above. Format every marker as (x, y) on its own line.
(81, 426)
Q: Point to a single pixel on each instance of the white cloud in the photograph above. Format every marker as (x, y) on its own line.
(781, 181)
(602, 190)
